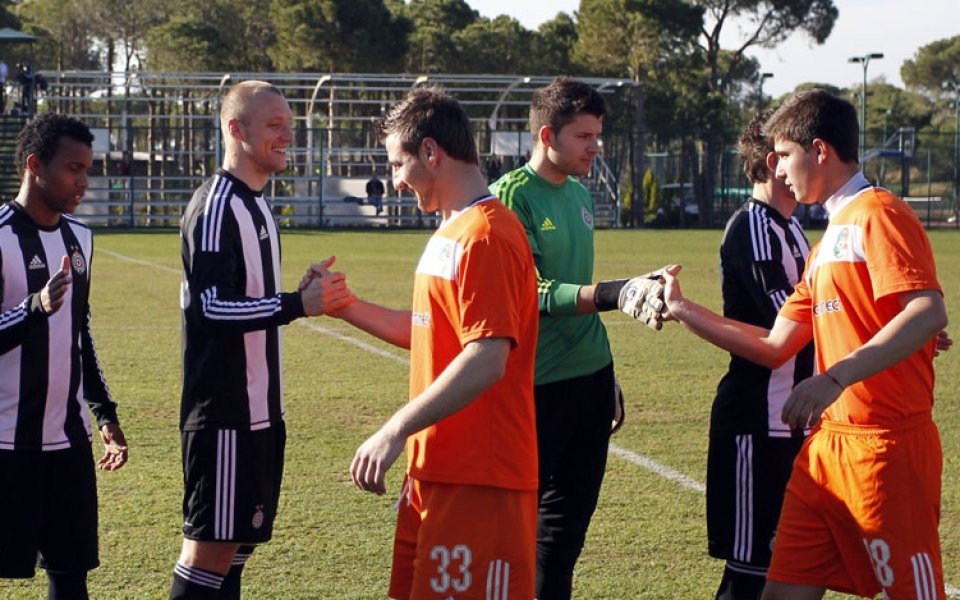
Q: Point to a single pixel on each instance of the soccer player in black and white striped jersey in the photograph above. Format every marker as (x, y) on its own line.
(232, 422)
(49, 368)
(751, 451)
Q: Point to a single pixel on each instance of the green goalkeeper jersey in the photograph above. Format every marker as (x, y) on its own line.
(558, 220)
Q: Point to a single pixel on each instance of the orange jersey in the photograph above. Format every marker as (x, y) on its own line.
(873, 249)
(476, 279)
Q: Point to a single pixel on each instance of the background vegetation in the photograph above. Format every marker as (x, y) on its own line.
(691, 93)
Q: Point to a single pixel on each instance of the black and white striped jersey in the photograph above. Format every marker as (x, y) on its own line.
(762, 257)
(49, 370)
(232, 308)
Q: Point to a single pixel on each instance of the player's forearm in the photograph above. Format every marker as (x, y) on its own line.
(480, 365)
(744, 340)
(390, 325)
(921, 319)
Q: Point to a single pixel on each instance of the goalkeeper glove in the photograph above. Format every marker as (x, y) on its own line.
(642, 299)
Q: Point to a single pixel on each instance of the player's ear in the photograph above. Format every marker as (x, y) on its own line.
(545, 136)
(822, 150)
(428, 147)
(33, 165)
(233, 127)
(772, 160)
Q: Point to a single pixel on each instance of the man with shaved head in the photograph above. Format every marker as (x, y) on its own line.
(232, 417)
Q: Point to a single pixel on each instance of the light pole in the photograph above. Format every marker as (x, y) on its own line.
(865, 61)
(760, 78)
(953, 85)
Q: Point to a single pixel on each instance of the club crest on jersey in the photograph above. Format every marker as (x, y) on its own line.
(841, 245)
(587, 217)
(257, 520)
(79, 265)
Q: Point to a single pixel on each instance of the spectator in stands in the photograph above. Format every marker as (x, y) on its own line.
(375, 192)
(494, 168)
(4, 74)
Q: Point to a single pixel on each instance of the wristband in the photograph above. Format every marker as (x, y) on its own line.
(834, 380)
(606, 294)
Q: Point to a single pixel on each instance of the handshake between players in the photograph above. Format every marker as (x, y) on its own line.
(640, 298)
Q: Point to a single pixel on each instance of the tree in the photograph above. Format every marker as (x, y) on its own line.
(337, 36)
(500, 45)
(553, 45)
(220, 35)
(767, 23)
(932, 65)
(63, 31)
(187, 44)
(123, 25)
(633, 38)
(431, 43)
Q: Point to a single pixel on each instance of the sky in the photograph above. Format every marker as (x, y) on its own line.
(895, 28)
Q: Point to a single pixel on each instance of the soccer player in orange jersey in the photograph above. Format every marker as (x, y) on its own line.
(862, 506)
(467, 520)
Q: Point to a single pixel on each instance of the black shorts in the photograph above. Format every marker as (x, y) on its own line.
(746, 478)
(49, 503)
(231, 483)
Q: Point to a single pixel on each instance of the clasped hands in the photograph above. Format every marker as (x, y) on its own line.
(642, 299)
(324, 292)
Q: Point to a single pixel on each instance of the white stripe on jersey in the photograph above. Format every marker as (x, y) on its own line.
(498, 580)
(14, 316)
(213, 213)
(225, 492)
(743, 526)
(59, 328)
(14, 295)
(762, 231)
(759, 222)
(277, 286)
(255, 342)
(925, 580)
(223, 310)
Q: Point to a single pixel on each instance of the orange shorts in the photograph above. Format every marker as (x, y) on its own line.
(464, 542)
(861, 512)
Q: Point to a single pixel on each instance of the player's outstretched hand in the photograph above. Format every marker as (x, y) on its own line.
(114, 447)
(672, 296)
(373, 459)
(52, 294)
(642, 299)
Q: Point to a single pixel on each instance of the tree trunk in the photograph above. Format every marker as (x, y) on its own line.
(639, 162)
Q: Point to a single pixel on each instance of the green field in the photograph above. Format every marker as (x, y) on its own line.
(332, 541)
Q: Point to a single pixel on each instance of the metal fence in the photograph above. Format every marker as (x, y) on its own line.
(157, 138)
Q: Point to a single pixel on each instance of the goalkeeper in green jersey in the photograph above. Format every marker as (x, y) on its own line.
(577, 396)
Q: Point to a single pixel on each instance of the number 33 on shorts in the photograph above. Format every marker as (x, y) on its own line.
(454, 574)
(458, 559)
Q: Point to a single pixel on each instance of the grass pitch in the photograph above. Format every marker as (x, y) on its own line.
(333, 542)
